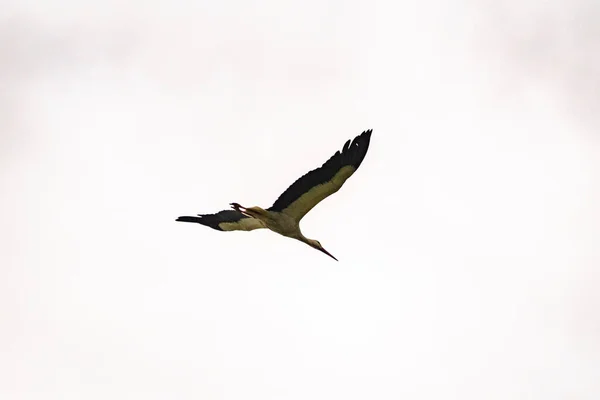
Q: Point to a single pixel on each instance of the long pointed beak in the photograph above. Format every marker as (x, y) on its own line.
(329, 254)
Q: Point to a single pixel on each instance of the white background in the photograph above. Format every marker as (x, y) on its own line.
(468, 239)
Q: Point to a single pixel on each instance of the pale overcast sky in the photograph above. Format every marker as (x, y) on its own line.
(468, 239)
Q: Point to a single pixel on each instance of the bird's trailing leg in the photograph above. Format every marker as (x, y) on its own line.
(240, 208)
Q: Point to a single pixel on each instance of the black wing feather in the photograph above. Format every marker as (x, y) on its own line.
(213, 220)
(352, 154)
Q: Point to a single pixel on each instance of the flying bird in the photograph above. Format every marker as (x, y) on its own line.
(284, 215)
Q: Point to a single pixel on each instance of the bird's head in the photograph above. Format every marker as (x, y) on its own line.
(317, 245)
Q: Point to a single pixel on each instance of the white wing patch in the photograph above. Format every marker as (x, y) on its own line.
(308, 200)
(244, 224)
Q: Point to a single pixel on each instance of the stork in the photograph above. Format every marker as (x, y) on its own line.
(284, 215)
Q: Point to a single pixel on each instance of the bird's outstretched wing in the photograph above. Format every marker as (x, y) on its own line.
(322, 182)
(226, 220)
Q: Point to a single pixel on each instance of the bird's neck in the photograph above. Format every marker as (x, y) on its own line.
(306, 240)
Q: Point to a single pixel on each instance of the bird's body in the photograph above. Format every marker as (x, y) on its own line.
(284, 215)
(273, 220)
